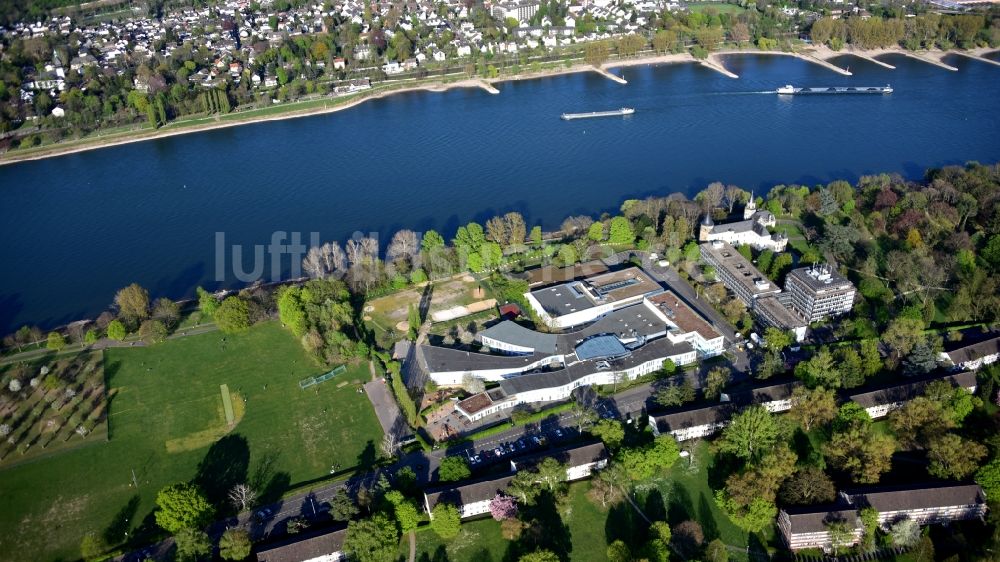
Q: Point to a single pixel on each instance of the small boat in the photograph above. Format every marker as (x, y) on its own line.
(614, 113)
(789, 90)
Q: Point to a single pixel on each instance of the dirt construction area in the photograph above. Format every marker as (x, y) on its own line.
(443, 300)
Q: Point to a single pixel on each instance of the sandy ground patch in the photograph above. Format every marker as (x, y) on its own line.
(460, 311)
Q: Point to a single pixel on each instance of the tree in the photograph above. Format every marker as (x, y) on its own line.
(152, 331)
(595, 53)
(116, 330)
(596, 232)
(953, 457)
(207, 302)
(819, 370)
(406, 513)
(540, 556)
(716, 551)
(431, 241)
(610, 432)
(809, 485)
(453, 469)
(902, 334)
(550, 473)
(503, 507)
(989, 478)
(618, 551)
(675, 394)
(55, 341)
(374, 539)
(93, 546)
(716, 381)
(605, 487)
(182, 506)
(860, 451)
(242, 497)
(472, 384)
(192, 544)
(404, 245)
(813, 408)
(905, 533)
(235, 544)
(233, 315)
(777, 339)
(751, 433)
(342, 507)
(446, 520)
(621, 231)
(660, 530)
(133, 303)
(168, 312)
(754, 517)
(920, 421)
(688, 536)
(524, 487)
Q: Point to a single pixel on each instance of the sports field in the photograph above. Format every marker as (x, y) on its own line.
(720, 7)
(167, 423)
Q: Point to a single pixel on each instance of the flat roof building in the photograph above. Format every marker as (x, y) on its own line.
(737, 273)
(578, 302)
(818, 292)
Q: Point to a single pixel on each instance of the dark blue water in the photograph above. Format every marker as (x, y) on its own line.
(77, 227)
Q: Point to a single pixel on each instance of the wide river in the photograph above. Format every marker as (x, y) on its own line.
(77, 227)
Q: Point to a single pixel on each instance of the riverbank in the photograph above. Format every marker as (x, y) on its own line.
(817, 55)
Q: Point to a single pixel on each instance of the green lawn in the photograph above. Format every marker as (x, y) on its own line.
(481, 540)
(167, 425)
(685, 494)
(722, 7)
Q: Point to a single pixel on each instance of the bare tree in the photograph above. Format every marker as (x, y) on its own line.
(472, 385)
(733, 195)
(496, 230)
(711, 196)
(325, 260)
(360, 250)
(242, 496)
(404, 244)
(389, 445)
(573, 225)
(515, 227)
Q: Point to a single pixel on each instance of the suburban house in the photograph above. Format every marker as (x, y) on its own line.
(579, 302)
(473, 498)
(316, 546)
(880, 402)
(809, 527)
(775, 397)
(974, 356)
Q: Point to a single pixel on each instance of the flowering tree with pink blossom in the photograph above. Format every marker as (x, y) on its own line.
(503, 507)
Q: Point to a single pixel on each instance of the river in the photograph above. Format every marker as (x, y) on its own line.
(77, 227)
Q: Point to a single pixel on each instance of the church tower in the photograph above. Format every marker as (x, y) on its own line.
(750, 209)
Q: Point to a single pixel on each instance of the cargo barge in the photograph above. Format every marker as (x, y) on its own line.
(615, 113)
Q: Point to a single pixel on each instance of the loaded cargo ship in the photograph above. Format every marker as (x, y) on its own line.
(790, 90)
(615, 113)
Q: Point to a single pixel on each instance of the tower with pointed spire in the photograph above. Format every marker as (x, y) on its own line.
(707, 224)
(750, 209)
